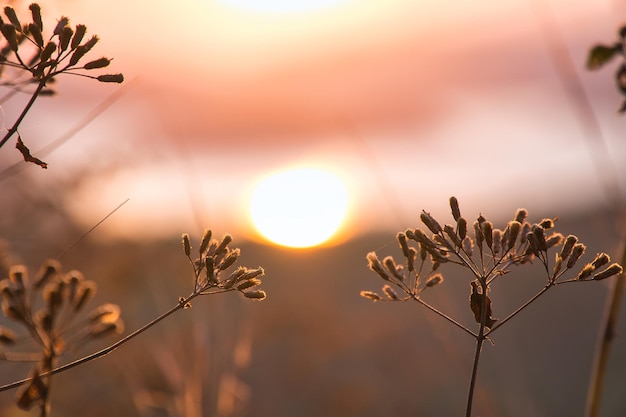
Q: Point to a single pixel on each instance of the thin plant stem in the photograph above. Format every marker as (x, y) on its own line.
(605, 342)
(480, 338)
(30, 103)
(445, 316)
(181, 304)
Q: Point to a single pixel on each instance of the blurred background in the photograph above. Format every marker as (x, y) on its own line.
(407, 103)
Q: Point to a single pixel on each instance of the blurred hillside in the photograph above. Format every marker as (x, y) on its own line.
(315, 348)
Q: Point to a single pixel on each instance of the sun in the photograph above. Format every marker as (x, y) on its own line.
(299, 208)
(280, 6)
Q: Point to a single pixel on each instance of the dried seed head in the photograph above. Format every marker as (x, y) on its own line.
(64, 38)
(206, 238)
(12, 16)
(251, 273)
(85, 292)
(554, 239)
(35, 11)
(392, 267)
(566, 250)
(98, 63)
(229, 259)
(468, 245)
(540, 236)
(370, 295)
(450, 232)
(7, 336)
(390, 293)
(63, 21)
(105, 313)
(248, 284)
(613, 269)
(434, 280)
(497, 240)
(401, 237)
(487, 229)
(79, 34)
(430, 222)
(44, 320)
(209, 263)
(223, 244)
(533, 244)
(47, 52)
(577, 251)
(461, 225)
(520, 215)
(36, 33)
(374, 264)
(72, 280)
(11, 310)
(424, 240)
(454, 205)
(259, 295)
(585, 272)
(11, 36)
(18, 275)
(186, 244)
(478, 234)
(53, 295)
(600, 260)
(524, 233)
(547, 223)
(82, 50)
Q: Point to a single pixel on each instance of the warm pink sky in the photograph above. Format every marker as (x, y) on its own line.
(408, 101)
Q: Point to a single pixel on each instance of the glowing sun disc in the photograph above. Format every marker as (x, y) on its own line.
(280, 6)
(299, 208)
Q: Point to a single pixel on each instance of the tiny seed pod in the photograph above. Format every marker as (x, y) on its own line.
(577, 251)
(35, 11)
(614, 269)
(79, 34)
(454, 205)
(186, 244)
(520, 215)
(204, 243)
(98, 63)
(371, 295)
(434, 280)
(12, 16)
(430, 222)
(111, 78)
(259, 295)
(390, 293)
(64, 38)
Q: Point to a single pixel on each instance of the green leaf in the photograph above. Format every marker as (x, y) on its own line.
(600, 55)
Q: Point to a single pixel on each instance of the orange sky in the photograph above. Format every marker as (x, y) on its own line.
(408, 101)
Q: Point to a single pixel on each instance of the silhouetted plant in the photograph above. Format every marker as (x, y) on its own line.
(487, 256)
(37, 59)
(64, 295)
(47, 308)
(601, 54)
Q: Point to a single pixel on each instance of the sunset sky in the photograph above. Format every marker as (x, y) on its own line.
(408, 102)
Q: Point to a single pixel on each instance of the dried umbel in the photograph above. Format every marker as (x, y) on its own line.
(48, 308)
(45, 56)
(215, 259)
(487, 254)
(29, 56)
